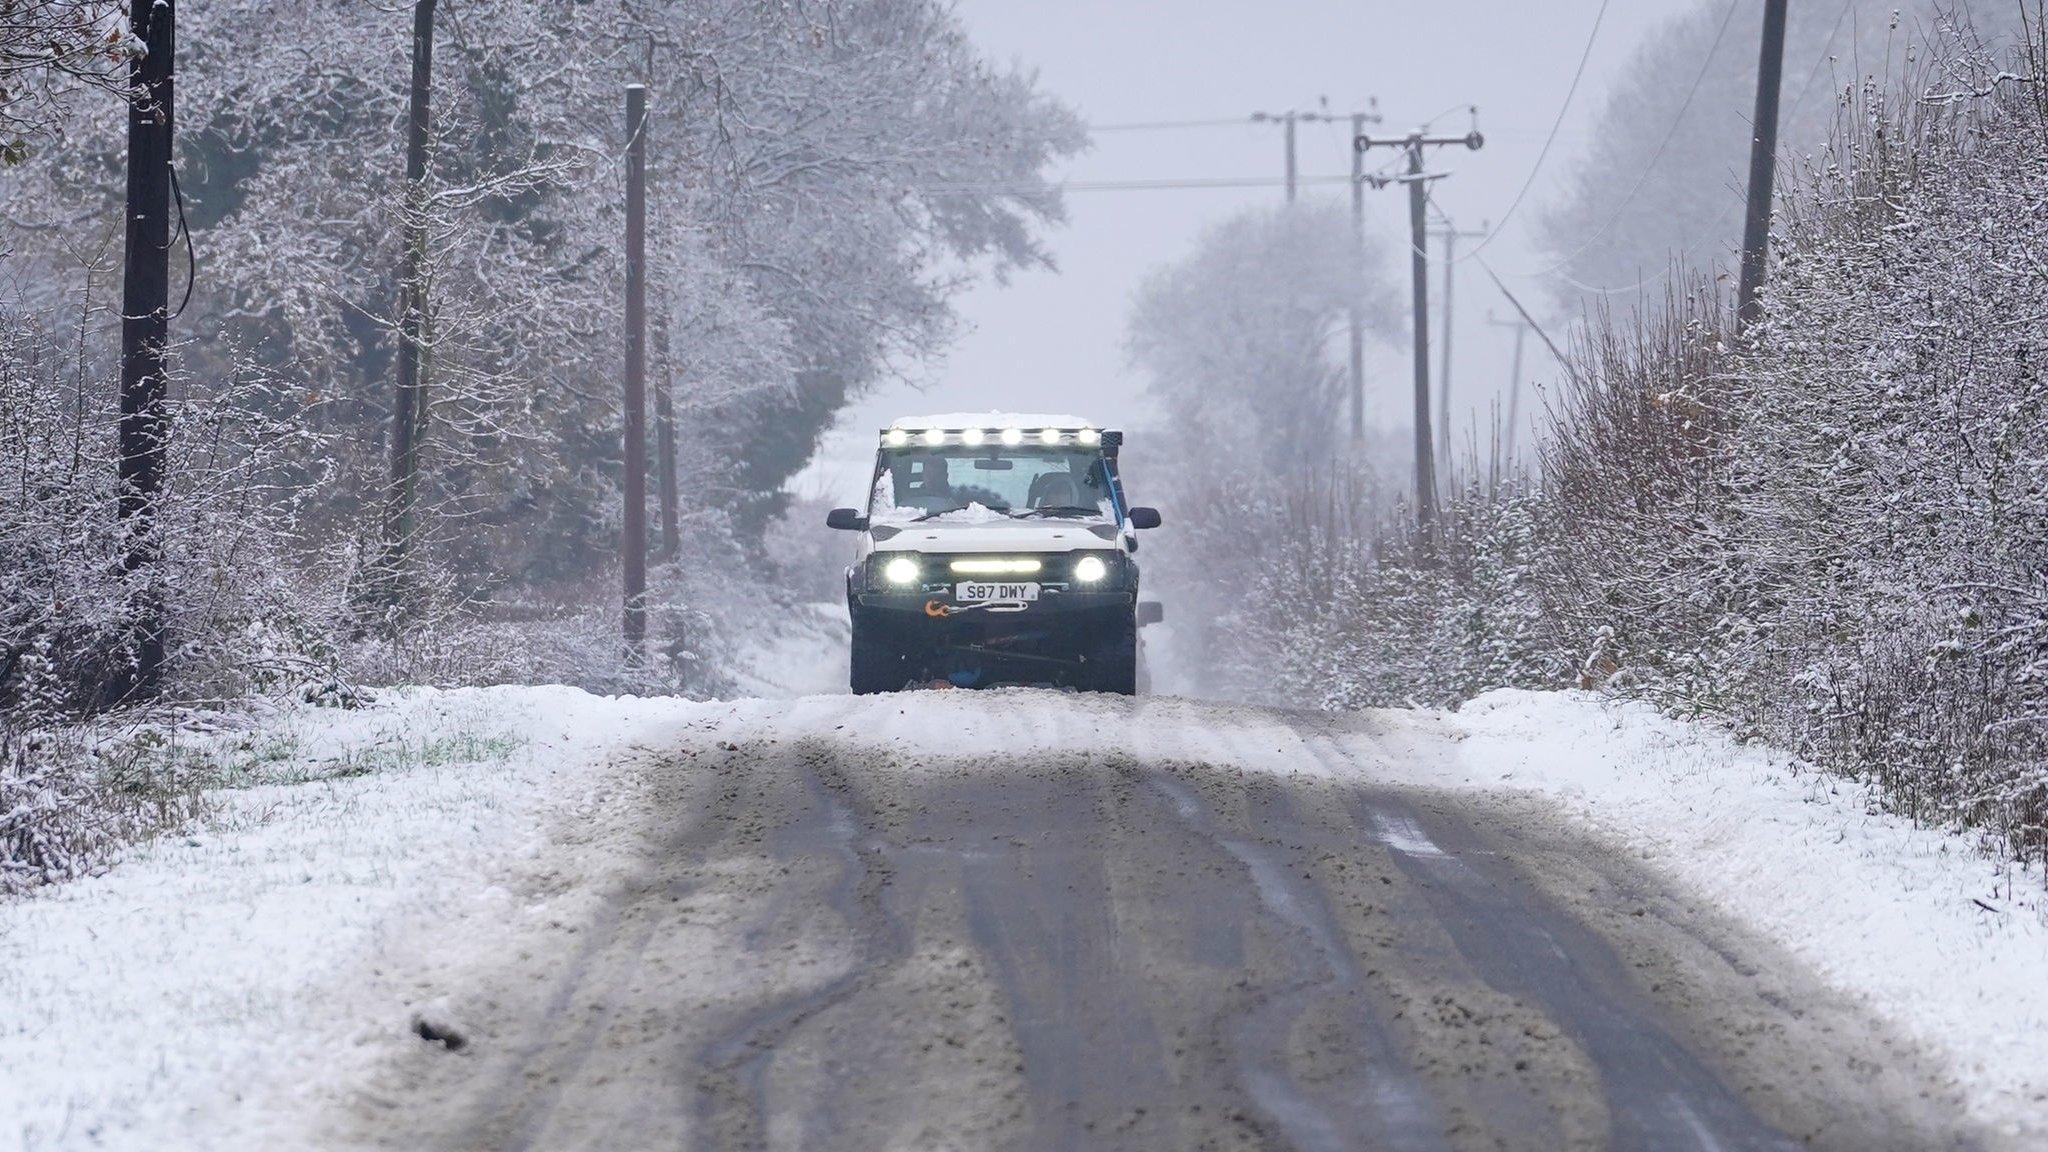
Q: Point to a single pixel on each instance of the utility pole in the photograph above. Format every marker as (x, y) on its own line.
(409, 397)
(1287, 121)
(1451, 235)
(1290, 118)
(1356, 317)
(1521, 328)
(145, 344)
(1418, 243)
(665, 443)
(1357, 309)
(664, 409)
(635, 542)
(1292, 179)
(1763, 159)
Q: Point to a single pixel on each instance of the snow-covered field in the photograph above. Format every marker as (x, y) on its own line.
(139, 1008)
(203, 983)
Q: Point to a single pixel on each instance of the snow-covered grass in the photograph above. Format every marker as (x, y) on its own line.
(1946, 942)
(204, 965)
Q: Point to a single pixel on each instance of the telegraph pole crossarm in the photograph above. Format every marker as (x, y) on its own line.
(1418, 227)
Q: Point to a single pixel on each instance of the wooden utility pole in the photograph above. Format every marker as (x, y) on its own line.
(1288, 121)
(1514, 381)
(1451, 235)
(635, 541)
(1418, 244)
(1356, 311)
(409, 401)
(1425, 451)
(665, 444)
(145, 345)
(664, 410)
(1292, 179)
(1763, 161)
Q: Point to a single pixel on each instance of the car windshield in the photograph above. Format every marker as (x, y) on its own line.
(913, 484)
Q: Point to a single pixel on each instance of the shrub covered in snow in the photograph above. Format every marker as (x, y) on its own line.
(1831, 531)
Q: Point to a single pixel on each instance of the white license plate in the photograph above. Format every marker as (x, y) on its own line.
(975, 591)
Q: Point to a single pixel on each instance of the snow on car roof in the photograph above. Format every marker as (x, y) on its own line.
(990, 420)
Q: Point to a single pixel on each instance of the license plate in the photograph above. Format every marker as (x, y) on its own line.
(975, 592)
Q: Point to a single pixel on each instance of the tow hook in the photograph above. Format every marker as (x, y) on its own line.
(937, 609)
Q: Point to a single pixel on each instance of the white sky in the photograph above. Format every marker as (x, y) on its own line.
(1054, 339)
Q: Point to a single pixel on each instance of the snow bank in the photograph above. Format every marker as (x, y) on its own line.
(202, 967)
(1947, 944)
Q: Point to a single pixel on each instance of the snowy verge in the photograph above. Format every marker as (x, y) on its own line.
(801, 653)
(145, 1003)
(1947, 944)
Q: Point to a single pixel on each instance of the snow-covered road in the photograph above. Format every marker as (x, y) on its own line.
(1029, 920)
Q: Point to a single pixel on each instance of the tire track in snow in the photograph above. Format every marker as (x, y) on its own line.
(1392, 1107)
(732, 1106)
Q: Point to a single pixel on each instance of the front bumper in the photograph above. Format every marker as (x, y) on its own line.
(1064, 631)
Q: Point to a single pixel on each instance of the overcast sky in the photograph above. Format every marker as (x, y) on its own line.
(1054, 339)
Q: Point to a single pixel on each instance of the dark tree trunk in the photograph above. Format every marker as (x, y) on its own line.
(409, 401)
(145, 339)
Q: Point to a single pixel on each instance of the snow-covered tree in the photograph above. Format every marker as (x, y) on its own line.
(825, 177)
(1241, 342)
(1665, 173)
(49, 48)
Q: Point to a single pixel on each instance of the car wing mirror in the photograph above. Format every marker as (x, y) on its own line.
(1144, 517)
(846, 520)
(1150, 612)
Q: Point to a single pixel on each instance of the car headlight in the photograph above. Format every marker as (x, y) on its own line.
(900, 571)
(1090, 570)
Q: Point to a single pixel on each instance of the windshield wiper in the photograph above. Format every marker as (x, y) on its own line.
(1058, 510)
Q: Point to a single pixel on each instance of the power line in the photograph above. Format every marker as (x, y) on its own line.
(1669, 133)
(1162, 184)
(1167, 125)
(1578, 75)
(1806, 88)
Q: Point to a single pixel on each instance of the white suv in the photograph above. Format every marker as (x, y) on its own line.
(996, 548)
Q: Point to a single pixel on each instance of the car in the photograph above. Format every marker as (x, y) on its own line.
(996, 549)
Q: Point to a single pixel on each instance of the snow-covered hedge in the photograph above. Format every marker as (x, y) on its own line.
(1832, 531)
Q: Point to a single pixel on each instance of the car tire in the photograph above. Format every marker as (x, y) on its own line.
(1114, 667)
(874, 665)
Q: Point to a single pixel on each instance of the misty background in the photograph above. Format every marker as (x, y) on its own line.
(1055, 338)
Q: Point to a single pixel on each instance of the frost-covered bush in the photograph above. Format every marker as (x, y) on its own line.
(1830, 531)
(1393, 615)
(1892, 478)
(1638, 583)
(244, 613)
(69, 799)
(1344, 603)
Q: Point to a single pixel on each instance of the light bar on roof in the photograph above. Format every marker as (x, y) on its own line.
(1012, 436)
